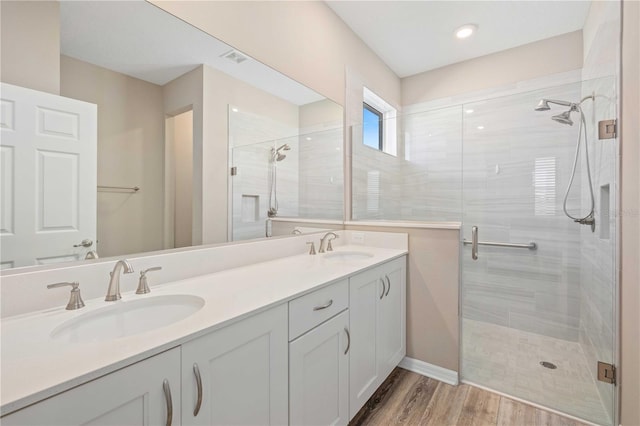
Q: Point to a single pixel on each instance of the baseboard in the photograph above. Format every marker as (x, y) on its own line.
(430, 370)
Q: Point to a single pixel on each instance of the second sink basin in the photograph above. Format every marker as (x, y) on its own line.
(126, 318)
(348, 255)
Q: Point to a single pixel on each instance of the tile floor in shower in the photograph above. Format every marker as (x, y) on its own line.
(508, 360)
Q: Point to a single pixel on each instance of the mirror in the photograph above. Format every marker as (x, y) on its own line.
(177, 111)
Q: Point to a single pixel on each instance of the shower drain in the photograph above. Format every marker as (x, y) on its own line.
(547, 364)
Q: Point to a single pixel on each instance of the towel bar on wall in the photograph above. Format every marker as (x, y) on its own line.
(104, 188)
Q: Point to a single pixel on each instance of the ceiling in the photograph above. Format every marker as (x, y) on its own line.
(140, 40)
(416, 36)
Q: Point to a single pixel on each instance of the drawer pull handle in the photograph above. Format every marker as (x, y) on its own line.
(346, 330)
(167, 397)
(383, 288)
(196, 372)
(389, 285)
(325, 306)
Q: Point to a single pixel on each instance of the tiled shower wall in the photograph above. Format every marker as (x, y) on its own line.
(516, 167)
(598, 267)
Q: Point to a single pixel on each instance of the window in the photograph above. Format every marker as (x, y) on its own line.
(372, 127)
(378, 123)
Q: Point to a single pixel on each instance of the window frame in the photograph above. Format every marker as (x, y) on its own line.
(380, 115)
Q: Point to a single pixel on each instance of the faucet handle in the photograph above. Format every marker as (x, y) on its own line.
(312, 250)
(143, 286)
(75, 299)
(329, 246)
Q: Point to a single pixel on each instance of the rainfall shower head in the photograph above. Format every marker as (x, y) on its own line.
(280, 157)
(564, 118)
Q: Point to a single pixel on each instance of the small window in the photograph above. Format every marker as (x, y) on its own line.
(378, 123)
(372, 127)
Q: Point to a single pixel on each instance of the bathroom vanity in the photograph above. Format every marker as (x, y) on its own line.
(296, 340)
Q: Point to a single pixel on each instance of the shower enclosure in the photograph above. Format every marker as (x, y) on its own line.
(538, 303)
(300, 176)
(538, 312)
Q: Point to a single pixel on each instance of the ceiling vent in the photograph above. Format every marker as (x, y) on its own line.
(235, 56)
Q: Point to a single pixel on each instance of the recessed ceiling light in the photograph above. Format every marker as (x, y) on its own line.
(480, 127)
(469, 111)
(308, 138)
(234, 109)
(466, 31)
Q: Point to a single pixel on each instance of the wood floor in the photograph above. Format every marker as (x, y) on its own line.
(407, 398)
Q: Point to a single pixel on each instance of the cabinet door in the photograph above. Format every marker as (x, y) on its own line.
(365, 291)
(243, 370)
(131, 396)
(319, 374)
(392, 317)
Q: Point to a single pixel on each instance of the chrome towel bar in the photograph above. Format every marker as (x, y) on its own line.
(531, 246)
(105, 188)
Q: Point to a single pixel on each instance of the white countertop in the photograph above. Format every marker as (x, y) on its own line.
(34, 366)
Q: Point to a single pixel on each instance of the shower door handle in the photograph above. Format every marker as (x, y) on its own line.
(474, 242)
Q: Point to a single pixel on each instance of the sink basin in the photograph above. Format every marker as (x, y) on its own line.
(126, 318)
(348, 255)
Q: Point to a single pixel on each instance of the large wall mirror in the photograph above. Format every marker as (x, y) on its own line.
(197, 143)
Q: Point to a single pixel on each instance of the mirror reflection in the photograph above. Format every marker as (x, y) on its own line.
(177, 111)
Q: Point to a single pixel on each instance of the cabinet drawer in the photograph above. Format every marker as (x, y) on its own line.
(312, 309)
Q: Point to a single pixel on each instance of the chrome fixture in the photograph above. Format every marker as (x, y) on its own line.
(125, 189)
(113, 293)
(328, 240)
(276, 156)
(475, 243)
(84, 243)
(91, 254)
(312, 250)
(325, 306)
(75, 299)
(196, 372)
(275, 152)
(167, 398)
(296, 232)
(143, 286)
(346, 330)
(565, 118)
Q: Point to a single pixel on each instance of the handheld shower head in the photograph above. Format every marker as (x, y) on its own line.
(564, 118)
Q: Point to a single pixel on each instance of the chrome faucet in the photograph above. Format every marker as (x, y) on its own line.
(113, 293)
(328, 245)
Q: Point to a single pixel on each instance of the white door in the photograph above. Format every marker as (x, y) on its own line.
(392, 318)
(319, 374)
(135, 395)
(242, 370)
(48, 177)
(365, 290)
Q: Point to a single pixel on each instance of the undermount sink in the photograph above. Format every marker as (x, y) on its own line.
(348, 255)
(128, 317)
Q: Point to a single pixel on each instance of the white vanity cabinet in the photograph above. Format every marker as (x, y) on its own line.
(242, 371)
(377, 303)
(319, 358)
(145, 393)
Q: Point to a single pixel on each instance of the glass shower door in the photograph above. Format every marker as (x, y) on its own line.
(538, 302)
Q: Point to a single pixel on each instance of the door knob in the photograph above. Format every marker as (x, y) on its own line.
(84, 243)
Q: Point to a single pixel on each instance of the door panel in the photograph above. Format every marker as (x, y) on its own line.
(52, 141)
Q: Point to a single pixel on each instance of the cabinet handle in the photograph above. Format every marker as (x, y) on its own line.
(325, 306)
(196, 372)
(167, 397)
(383, 288)
(346, 330)
(389, 285)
